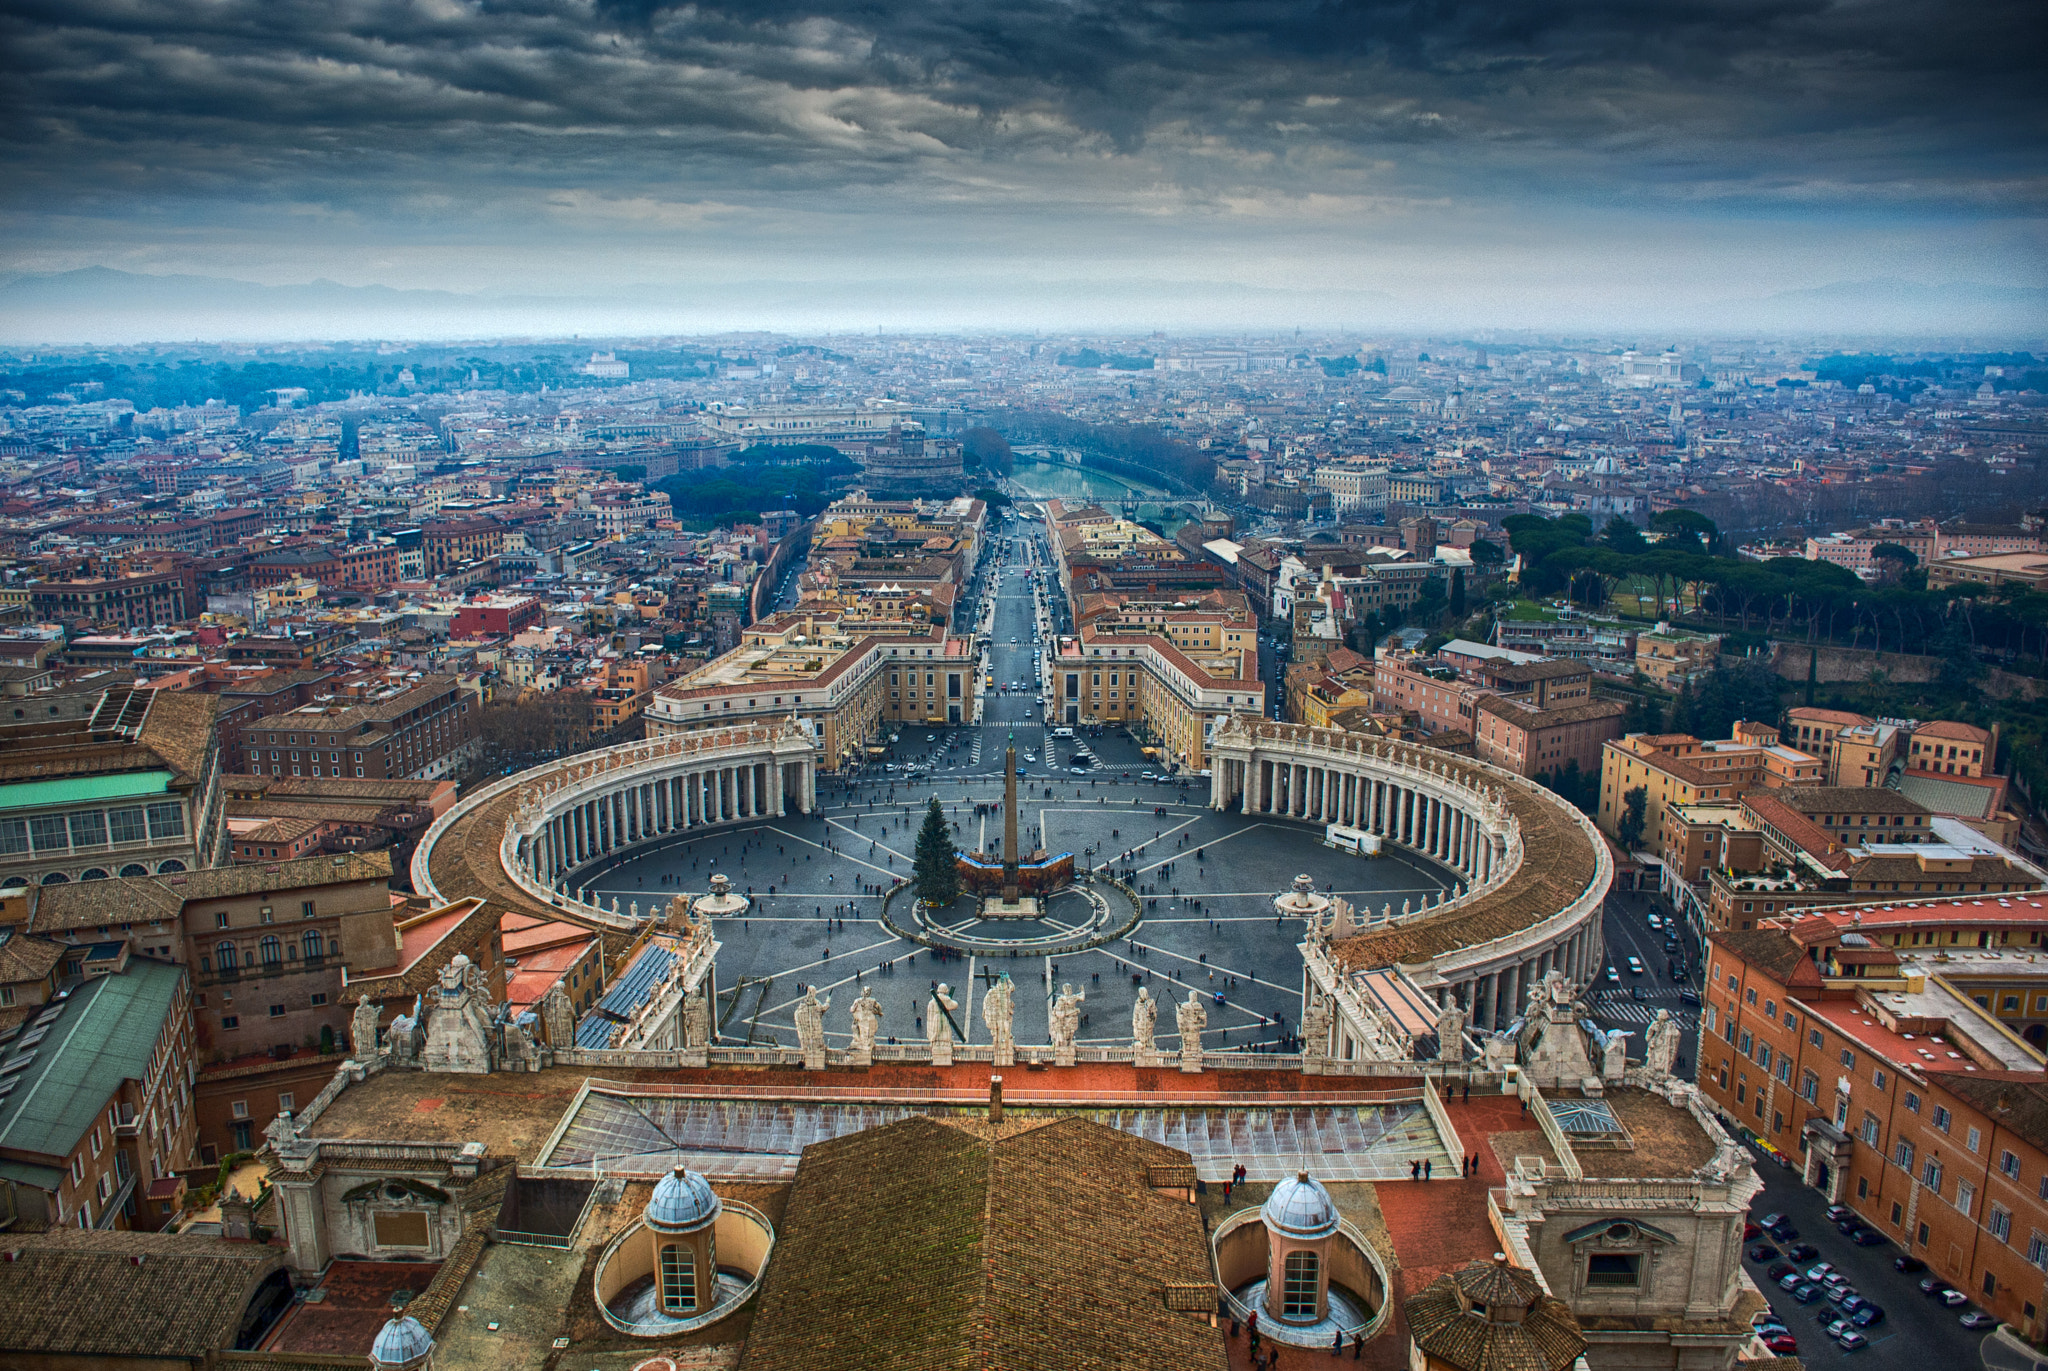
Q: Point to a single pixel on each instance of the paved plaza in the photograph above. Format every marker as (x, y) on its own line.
(1207, 881)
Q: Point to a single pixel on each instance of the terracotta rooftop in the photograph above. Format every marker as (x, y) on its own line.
(920, 1246)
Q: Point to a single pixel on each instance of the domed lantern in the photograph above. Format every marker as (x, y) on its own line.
(682, 1223)
(1300, 1220)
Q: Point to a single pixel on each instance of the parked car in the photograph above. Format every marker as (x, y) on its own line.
(1762, 1252)
(1837, 1212)
(1779, 1270)
(1954, 1299)
(1841, 1294)
(1749, 1230)
(1931, 1286)
(1853, 1302)
(1852, 1341)
(1977, 1318)
(1793, 1281)
(1784, 1344)
(1819, 1271)
(1774, 1220)
(1867, 1236)
(1803, 1252)
(1807, 1293)
(1869, 1316)
(1908, 1264)
(1766, 1326)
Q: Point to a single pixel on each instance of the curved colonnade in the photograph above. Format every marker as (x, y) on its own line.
(522, 841)
(1536, 870)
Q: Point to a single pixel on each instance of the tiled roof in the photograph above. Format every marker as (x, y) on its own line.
(1842, 799)
(1546, 1339)
(1770, 950)
(185, 1298)
(920, 1246)
(2012, 1100)
(156, 899)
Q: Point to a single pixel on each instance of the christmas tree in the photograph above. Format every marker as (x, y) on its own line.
(938, 877)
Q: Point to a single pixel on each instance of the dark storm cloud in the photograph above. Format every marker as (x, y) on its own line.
(366, 105)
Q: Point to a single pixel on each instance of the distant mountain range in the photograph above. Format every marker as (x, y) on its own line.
(103, 305)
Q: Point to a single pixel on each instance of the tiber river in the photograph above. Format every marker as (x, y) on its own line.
(1050, 480)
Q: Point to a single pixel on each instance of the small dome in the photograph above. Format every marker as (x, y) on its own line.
(683, 1202)
(1300, 1208)
(400, 1342)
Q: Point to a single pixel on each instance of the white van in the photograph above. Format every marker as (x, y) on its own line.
(1063, 733)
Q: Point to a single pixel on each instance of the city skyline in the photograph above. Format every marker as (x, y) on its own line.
(628, 168)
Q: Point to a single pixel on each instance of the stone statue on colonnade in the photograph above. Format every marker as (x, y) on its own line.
(999, 1012)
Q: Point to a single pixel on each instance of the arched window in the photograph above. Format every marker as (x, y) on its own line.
(135, 869)
(271, 950)
(13, 882)
(169, 868)
(92, 873)
(55, 878)
(224, 956)
(1298, 1294)
(310, 943)
(678, 1279)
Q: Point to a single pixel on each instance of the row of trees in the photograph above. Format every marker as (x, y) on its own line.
(1782, 597)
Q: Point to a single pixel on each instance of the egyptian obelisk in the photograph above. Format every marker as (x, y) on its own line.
(1011, 889)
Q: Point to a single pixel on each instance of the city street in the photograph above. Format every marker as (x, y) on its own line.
(1917, 1331)
(1627, 931)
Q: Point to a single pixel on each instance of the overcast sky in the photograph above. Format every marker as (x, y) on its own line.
(1518, 162)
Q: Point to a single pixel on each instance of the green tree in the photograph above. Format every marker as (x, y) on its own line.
(1485, 553)
(938, 876)
(1458, 593)
(1635, 806)
(989, 450)
(1623, 536)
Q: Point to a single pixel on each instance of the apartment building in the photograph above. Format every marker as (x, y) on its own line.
(96, 1095)
(1138, 672)
(1862, 1044)
(1679, 768)
(1355, 489)
(841, 674)
(421, 730)
(102, 783)
(264, 943)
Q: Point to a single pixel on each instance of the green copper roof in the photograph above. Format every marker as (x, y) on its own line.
(102, 1034)
(83, 789)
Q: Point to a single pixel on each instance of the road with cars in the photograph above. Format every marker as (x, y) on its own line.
(1916, 1328)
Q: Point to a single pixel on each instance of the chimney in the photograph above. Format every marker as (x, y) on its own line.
(995, 1099)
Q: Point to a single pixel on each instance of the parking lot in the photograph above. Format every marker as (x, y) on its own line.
(1916, 1330)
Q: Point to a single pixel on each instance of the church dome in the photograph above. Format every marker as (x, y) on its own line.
(1300, 1208)
(683, 1202)
(401, 1342)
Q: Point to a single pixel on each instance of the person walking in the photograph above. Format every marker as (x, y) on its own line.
(1428, 1167)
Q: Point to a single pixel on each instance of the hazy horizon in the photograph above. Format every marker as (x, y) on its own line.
(632, 166)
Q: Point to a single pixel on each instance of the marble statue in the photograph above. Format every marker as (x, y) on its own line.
(810, 1028)
(1316, 1021)
(1191, 1019)
(1498, 1051)
(696, 1019)
(1614, 1055)
(999, 1012)
(362, 1030)
(1342, 925)
(558, 1015)
(1661, 1044)
(867, 1023)
(938, 1027)
(1450, 1031)
(1065, 1023)
(1144, 1014)
(459, 1031)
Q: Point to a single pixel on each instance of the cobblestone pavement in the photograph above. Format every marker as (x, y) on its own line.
(1207, 880)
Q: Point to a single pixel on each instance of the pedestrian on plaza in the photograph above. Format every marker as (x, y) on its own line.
(1428, 1167)
(1415, 1171)
(1337, 1346)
